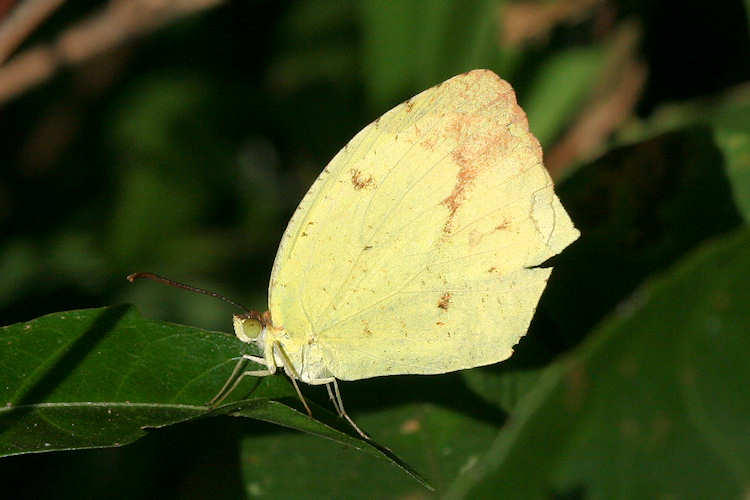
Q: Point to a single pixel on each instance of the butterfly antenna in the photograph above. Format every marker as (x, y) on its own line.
(161, 279)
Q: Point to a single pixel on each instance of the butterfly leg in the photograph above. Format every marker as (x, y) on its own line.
(340, 407)
(251, 373)
(231, 378)
(234, 377)
(333, 399)
(292, 372)
(254, 359)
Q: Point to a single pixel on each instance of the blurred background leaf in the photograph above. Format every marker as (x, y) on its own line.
(184, 145)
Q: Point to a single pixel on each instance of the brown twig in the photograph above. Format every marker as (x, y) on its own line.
(521, 22)
(609, 107)
(115, 24)
(598, 121)
(21, 21)
(5, 7)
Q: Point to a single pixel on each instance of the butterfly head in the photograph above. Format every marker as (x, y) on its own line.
(250, 327)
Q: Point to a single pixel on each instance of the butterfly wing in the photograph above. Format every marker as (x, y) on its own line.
(413, 251)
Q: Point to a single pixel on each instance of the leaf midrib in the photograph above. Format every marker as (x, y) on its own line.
(103, 404)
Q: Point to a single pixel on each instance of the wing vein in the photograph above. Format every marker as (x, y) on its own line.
(336, 296)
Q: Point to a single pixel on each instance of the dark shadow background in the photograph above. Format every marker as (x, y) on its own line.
(185, 152)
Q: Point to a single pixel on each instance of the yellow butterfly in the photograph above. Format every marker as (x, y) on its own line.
(414, 251)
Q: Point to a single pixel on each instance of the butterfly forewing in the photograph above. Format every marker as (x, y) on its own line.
(411, 253)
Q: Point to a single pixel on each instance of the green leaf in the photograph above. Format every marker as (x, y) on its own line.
(727, 116)
(441, 441)
(314, 45)
(653, 405)
(640, 208)
(412, 45)
(549, 104)
(102, 377)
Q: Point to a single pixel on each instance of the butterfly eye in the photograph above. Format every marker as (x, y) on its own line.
(246, 328)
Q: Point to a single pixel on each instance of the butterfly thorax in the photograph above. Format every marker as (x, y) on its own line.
(300, 358)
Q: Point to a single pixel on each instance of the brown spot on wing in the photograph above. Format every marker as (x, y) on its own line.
(464, 178)
(480, 142)
(476, 236)
(429, 142)
(366, 328)
(444, 301)
(358, 182)
(409, 106)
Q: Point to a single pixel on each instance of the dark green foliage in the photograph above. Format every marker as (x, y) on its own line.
(185, 153)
